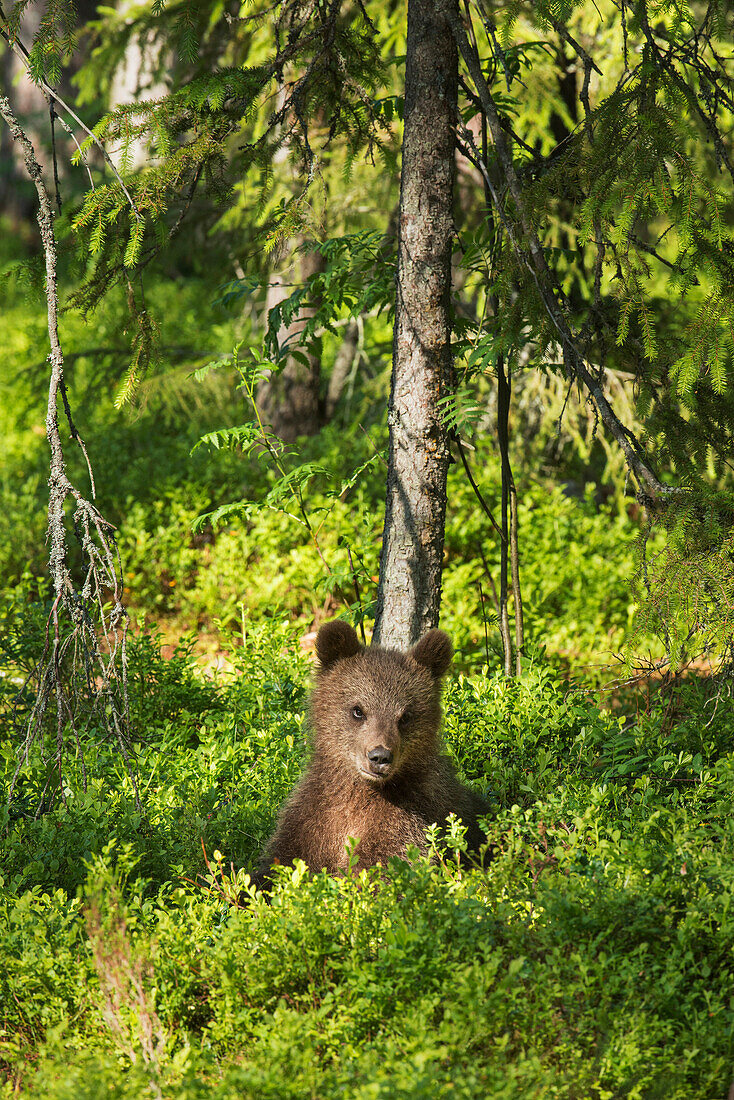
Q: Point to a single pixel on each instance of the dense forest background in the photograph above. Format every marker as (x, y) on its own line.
(224, 183)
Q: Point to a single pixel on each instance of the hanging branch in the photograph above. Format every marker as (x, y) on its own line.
(455, 438)
(510, 552)
(509, 548)
(530, 253)
(94, 645)
(514, 547)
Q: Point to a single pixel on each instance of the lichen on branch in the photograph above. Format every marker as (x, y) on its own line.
(83, 665)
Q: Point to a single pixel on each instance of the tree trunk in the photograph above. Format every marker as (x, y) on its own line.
(135, 78)
(30, 106)
(290, 401)
(343, 368)
(409, 593)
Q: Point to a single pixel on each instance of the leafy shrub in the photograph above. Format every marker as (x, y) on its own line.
(213, 760)
(590, 956)
(597, 968)
(519, 738)
(578, 569)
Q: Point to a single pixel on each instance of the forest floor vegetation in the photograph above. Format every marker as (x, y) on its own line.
(590, 957)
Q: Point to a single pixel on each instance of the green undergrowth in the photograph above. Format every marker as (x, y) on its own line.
(578, 564)
(578, 538)
(578, 558)
(591, 956)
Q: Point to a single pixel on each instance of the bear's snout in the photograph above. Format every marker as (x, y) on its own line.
(380, 759)
(379, 754)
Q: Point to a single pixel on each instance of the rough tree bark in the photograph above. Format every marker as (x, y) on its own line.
(409, 592)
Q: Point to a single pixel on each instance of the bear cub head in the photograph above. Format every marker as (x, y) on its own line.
(376, 712)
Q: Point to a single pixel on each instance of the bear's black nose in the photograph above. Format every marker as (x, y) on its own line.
(379, 757)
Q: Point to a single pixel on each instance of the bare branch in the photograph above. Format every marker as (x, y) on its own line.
(477, 492)
(102, 572)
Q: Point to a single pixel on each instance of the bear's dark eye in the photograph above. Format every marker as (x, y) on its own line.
(405, 719)
(358, 713)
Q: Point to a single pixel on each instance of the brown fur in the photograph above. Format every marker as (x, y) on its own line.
(386, 703)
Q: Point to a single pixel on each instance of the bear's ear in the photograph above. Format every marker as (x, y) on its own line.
(434, 651)
(335, 641)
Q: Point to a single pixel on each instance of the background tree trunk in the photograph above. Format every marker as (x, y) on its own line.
(290, 401)
(409, 592)
(30, 106)
(135, 78)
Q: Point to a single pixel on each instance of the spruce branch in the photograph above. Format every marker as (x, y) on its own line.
(529, 251)
(693, 59)
(95, 645)
(589, 66)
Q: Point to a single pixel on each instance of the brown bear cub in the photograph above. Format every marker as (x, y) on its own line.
(377, 772)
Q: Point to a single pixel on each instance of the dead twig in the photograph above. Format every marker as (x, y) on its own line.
(88, 657)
